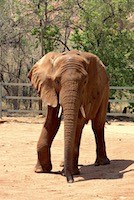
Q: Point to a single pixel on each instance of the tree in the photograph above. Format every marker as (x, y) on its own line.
(45, 29)
(102, 28)
(14, 47)
(31, 28)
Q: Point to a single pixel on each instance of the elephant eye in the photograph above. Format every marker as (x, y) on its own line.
(85, 82)
(57, 81)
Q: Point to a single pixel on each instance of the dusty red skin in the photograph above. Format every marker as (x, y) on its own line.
(78, 82)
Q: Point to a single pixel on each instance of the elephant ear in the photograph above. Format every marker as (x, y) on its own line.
(41, 78)
(97, 76)
(96, 69)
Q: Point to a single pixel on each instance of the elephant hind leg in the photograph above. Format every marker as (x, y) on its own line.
(48, 133)
(100, 144)
(101, 158)
(98, 124)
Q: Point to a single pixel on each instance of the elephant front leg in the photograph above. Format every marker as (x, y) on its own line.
(48, 133)
(101, 158)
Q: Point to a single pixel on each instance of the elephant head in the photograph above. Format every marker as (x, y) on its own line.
(65, 78)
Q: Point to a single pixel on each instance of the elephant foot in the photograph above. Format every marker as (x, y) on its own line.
(102, 161)
(42, 168)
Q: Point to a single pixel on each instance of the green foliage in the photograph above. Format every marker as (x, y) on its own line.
(46, 32)
(103, 29)
(51, 37)
(31, 28)
(35, 27)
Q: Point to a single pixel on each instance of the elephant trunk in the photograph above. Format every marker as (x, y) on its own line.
(70, 103)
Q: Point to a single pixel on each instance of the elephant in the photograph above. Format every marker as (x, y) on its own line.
(75, 84)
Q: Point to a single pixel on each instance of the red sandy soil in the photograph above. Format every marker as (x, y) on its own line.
(18, 139)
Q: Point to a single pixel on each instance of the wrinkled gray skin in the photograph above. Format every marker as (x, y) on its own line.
(76, 81)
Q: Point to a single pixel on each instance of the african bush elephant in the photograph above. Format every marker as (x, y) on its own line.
(77, 83)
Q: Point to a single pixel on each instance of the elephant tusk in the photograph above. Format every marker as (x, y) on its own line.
(82, 111)
(60, 112)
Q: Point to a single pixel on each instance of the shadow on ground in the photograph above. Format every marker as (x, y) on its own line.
(115, 170)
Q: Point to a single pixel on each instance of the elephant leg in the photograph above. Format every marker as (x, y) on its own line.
(80, 126)
(48, 133)
(98, 124)
(98, 128)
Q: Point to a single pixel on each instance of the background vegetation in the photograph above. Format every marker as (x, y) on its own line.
(31, 28)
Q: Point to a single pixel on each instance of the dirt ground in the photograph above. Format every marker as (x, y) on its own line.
(18, 139)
